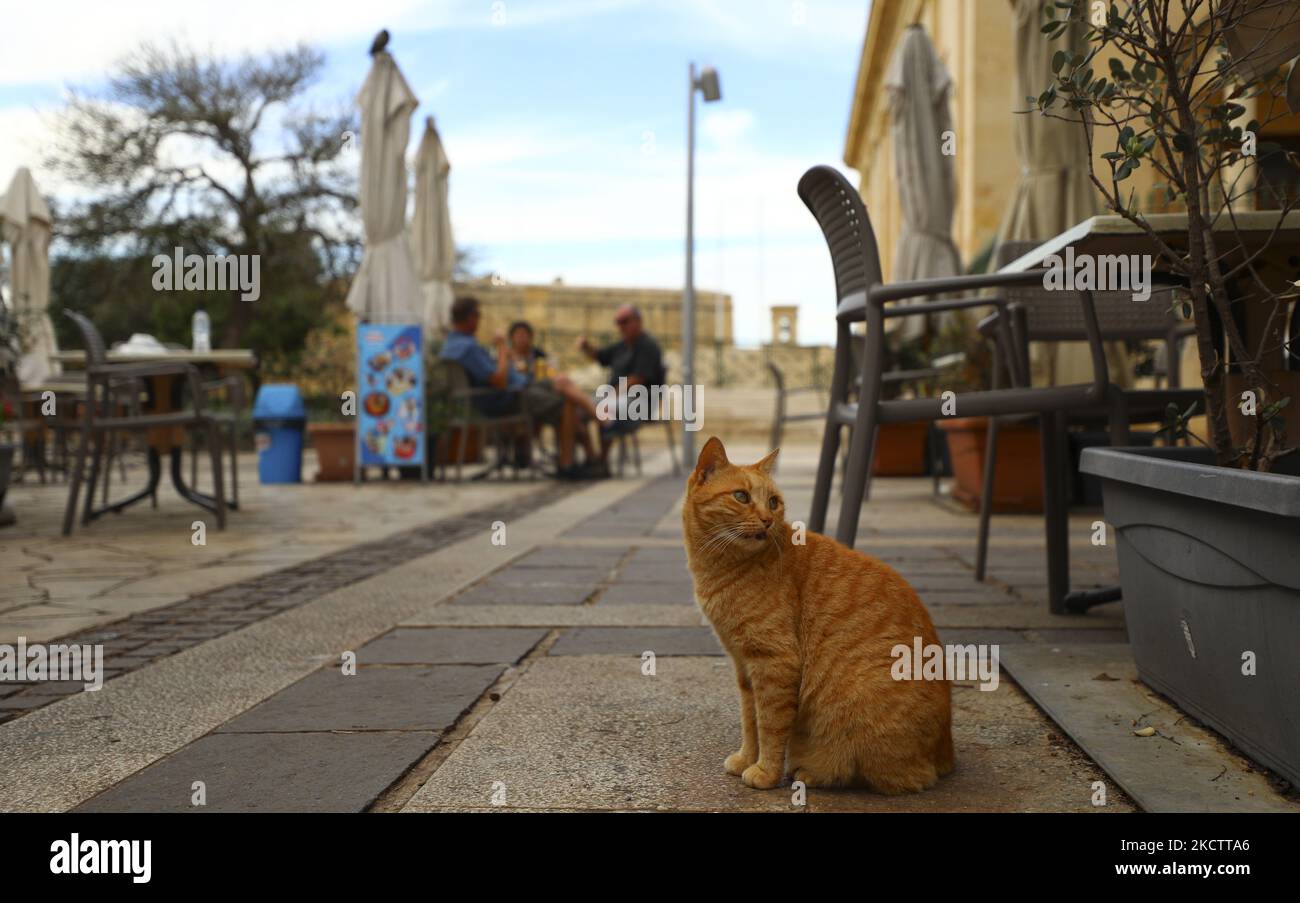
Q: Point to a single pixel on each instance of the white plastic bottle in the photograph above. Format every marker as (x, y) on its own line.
(201, 331)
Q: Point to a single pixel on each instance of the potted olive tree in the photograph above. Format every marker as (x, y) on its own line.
(1207, 535)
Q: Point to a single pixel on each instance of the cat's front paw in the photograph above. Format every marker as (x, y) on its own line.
(760, 778)
(737, 762)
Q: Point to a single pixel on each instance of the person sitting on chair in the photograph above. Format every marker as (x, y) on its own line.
(530, 361)
(636, 357)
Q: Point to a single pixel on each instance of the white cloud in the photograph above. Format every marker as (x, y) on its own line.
(608, 221)
(575, 185)
(37, 46)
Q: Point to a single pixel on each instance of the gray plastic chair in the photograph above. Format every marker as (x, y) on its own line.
(862, 295)
(465, 416)
(780, 417)
(1038, 314)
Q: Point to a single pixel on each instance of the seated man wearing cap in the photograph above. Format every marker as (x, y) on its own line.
(636, 357)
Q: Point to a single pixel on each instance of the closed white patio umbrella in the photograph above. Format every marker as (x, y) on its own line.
(385, 287)
(431, 238)
(1054, 191)
(921, 120)
(26, 224)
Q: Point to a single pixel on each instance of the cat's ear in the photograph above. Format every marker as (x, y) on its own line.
(712, 456)
(768, 462)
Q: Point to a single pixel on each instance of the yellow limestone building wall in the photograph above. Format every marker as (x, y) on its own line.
(975, 40)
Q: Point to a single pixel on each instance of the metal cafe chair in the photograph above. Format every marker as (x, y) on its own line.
(464, 417)
(862, 295)
(100, 418)
(1038, 314)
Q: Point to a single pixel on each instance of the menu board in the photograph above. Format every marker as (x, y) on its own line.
(390, 395)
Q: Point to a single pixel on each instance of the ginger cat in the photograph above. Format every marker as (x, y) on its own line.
(810, 629)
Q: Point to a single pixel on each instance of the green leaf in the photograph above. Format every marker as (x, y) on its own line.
(1059, 59)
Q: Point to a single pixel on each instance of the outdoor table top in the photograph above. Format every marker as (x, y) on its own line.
(1113, 234)
(237, 358)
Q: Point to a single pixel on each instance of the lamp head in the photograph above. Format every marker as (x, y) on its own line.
(707, 82)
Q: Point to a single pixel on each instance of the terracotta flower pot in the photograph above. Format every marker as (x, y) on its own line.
(900, 449)
(1018, 484)
(336, 450)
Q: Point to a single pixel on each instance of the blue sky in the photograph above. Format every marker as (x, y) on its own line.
(564, 121)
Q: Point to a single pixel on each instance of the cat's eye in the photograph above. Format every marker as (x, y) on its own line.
(741, 496)
(772, 502)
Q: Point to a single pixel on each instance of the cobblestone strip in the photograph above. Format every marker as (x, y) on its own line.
(148, 636)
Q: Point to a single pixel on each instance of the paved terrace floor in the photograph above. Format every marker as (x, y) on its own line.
(492, 676)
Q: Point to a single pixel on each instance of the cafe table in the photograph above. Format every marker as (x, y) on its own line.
(1243, 233)
(164, 397)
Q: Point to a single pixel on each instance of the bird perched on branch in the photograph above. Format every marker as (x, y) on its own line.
(381, 41)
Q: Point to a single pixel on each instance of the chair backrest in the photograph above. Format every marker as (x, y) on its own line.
(90, 337)
(457, 379)
(839, 211)
(778, 377)
(1053, 315)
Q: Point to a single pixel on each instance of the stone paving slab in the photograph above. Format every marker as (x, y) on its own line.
(638, 514)
(557, 616)
(600, 558)
(658, 742)
(495, 592)
(152, 712)
(1022, 616)
(1051, 636)
(521, 578)
(977, 595)
(144, 559)
(632, 641)
(924, 582)
(672, 554)
(637, 743)
(676, 593)
(985, 636)
(167, 630)
(310, 772)
(1183, 768)
(655, 571)
(444, 646)
(390, 698)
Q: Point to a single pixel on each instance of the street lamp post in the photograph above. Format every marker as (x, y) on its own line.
(707, 84)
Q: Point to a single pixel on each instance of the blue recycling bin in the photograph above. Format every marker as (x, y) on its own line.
(279, 419)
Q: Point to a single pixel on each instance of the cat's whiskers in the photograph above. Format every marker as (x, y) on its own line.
(722, 538)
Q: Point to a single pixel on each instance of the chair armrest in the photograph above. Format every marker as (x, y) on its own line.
(988, 327)
(897, 291)
(233, 385)
(146, 369)
(854, 305)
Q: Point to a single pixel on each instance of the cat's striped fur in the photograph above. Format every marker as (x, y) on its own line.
(810, 628)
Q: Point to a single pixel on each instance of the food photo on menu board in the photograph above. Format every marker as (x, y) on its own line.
(391, 428)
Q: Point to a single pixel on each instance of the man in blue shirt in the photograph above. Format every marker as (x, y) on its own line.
(483, 371)
(486, 372)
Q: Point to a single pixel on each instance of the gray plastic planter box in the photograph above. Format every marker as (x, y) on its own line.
(1209, 558)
